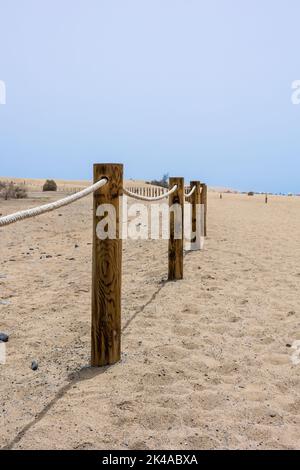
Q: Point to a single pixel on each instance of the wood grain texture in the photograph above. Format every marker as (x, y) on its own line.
(175, 251)
(107, 273)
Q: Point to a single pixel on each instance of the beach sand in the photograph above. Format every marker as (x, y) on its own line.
(206, 361)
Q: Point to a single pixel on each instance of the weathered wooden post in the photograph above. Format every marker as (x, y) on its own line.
(195, 200)
(176, 236)
(107, 266)
(204, 202)
(266, 199)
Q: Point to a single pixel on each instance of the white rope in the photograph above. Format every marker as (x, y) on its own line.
(191, 192)
(146, 198)
(10, 219)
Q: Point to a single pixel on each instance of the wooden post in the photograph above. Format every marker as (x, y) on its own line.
(195, 200)
(204, 202)
(176, 245)
(266, 199)
(107, 265)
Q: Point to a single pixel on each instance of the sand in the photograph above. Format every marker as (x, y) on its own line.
(206, 361)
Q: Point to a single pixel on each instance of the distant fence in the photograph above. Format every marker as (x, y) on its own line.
(107, 253)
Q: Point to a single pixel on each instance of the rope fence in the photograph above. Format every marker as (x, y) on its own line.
(35, 211)
(107, 189)
(191, 192)
(148, 191)
(137, 195)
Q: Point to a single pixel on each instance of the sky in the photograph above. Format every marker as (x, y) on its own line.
(193, 88)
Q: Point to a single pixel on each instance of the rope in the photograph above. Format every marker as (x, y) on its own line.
(10, 219)
(191, 192)
(146, 198)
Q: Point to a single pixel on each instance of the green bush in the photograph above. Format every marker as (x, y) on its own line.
(50, 185)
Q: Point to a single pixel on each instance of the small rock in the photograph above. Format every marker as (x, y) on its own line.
(288, 345)
(76, 246)
(4, 302)
(4, 337)
(34, 365)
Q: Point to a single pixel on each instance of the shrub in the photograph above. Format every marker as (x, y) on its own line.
(50, 185)
(12, 191)
(251, 193)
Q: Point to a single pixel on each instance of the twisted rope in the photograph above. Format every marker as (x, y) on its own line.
(191, 192)
(26, 214)
(148, 198)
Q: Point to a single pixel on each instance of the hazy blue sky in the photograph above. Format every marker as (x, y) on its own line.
(200, 89)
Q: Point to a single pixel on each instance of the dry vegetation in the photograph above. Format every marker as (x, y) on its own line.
(50, 185)
(10, 190)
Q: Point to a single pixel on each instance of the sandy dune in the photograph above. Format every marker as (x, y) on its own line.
(206, 361)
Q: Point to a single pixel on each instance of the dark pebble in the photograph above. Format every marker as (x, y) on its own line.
(4, 338)
(34, 365)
